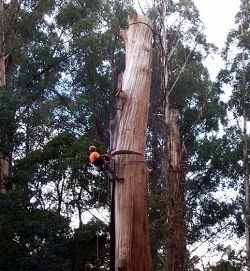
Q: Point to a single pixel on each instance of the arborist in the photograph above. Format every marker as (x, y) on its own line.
(100, 160)
(104, 162)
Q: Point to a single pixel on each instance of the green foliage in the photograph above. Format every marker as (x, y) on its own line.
(201, 113)
(31, 239)
(57, 174)
(54, 176)
(214, 159)
(84, 251)
(223, 266)
(58, 100)
(236, 74)
(231, 261)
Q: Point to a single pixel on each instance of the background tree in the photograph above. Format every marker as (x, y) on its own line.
(236, 76)
(59, 86)
(61, 82)
(188, 89)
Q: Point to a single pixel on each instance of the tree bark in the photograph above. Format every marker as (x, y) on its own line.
(174, 165)
(2, 51)
(4, 172)
(128, 133)
(4, 163)
(245, 152)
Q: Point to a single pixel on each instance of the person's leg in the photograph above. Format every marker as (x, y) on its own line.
(99, 162)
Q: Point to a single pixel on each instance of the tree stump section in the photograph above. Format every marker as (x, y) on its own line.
(128, 133)
(174, 165)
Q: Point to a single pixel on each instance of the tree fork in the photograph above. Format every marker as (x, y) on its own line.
(128, 132)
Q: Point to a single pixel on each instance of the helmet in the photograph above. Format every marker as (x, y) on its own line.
(92, 148)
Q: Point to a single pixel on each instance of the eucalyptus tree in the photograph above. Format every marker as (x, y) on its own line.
(31, 239)
(65, 57)
(185, 85)
(54, 180)
(236, 77)
(64, 64)
(96, 59)
(34, 65)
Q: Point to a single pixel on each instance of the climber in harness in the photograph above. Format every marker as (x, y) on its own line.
(101, 161)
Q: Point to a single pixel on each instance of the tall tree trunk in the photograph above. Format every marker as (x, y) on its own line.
(173, 167)
(128, 132)
(4, 172)
(245, 152)
(174, 164)
(2, 51)
(4, 163)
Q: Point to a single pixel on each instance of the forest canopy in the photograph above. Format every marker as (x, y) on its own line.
(62, 60)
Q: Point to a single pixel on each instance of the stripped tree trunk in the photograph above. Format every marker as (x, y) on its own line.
(128, 132)
(174, 164)
(173, 168)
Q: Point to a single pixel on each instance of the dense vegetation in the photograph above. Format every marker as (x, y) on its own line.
(64, 58)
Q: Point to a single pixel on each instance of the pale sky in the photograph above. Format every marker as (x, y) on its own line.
(218, 18)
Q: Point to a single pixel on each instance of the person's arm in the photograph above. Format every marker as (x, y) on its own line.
(108, 156)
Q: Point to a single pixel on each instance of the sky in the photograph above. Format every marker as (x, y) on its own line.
(218, 18)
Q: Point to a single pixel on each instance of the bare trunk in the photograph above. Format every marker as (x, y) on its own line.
(4, 172)
(245, 154)
(173, 169)
(128, 132)
(2, 51)
(4, 163)
(175, 166)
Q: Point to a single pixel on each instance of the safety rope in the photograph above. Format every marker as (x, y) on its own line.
(91, 196)
(125, 152)
(144, 24)
(97, 227)
(119, 152)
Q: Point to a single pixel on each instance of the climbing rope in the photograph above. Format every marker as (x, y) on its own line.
(97, 227)
(144, 24)
(125, 152)
(120, 152)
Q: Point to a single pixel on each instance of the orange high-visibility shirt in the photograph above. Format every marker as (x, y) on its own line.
(93, 156)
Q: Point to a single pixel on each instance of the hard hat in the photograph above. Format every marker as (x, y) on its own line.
(92, 148)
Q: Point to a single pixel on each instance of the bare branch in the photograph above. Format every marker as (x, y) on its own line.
(183, 68)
